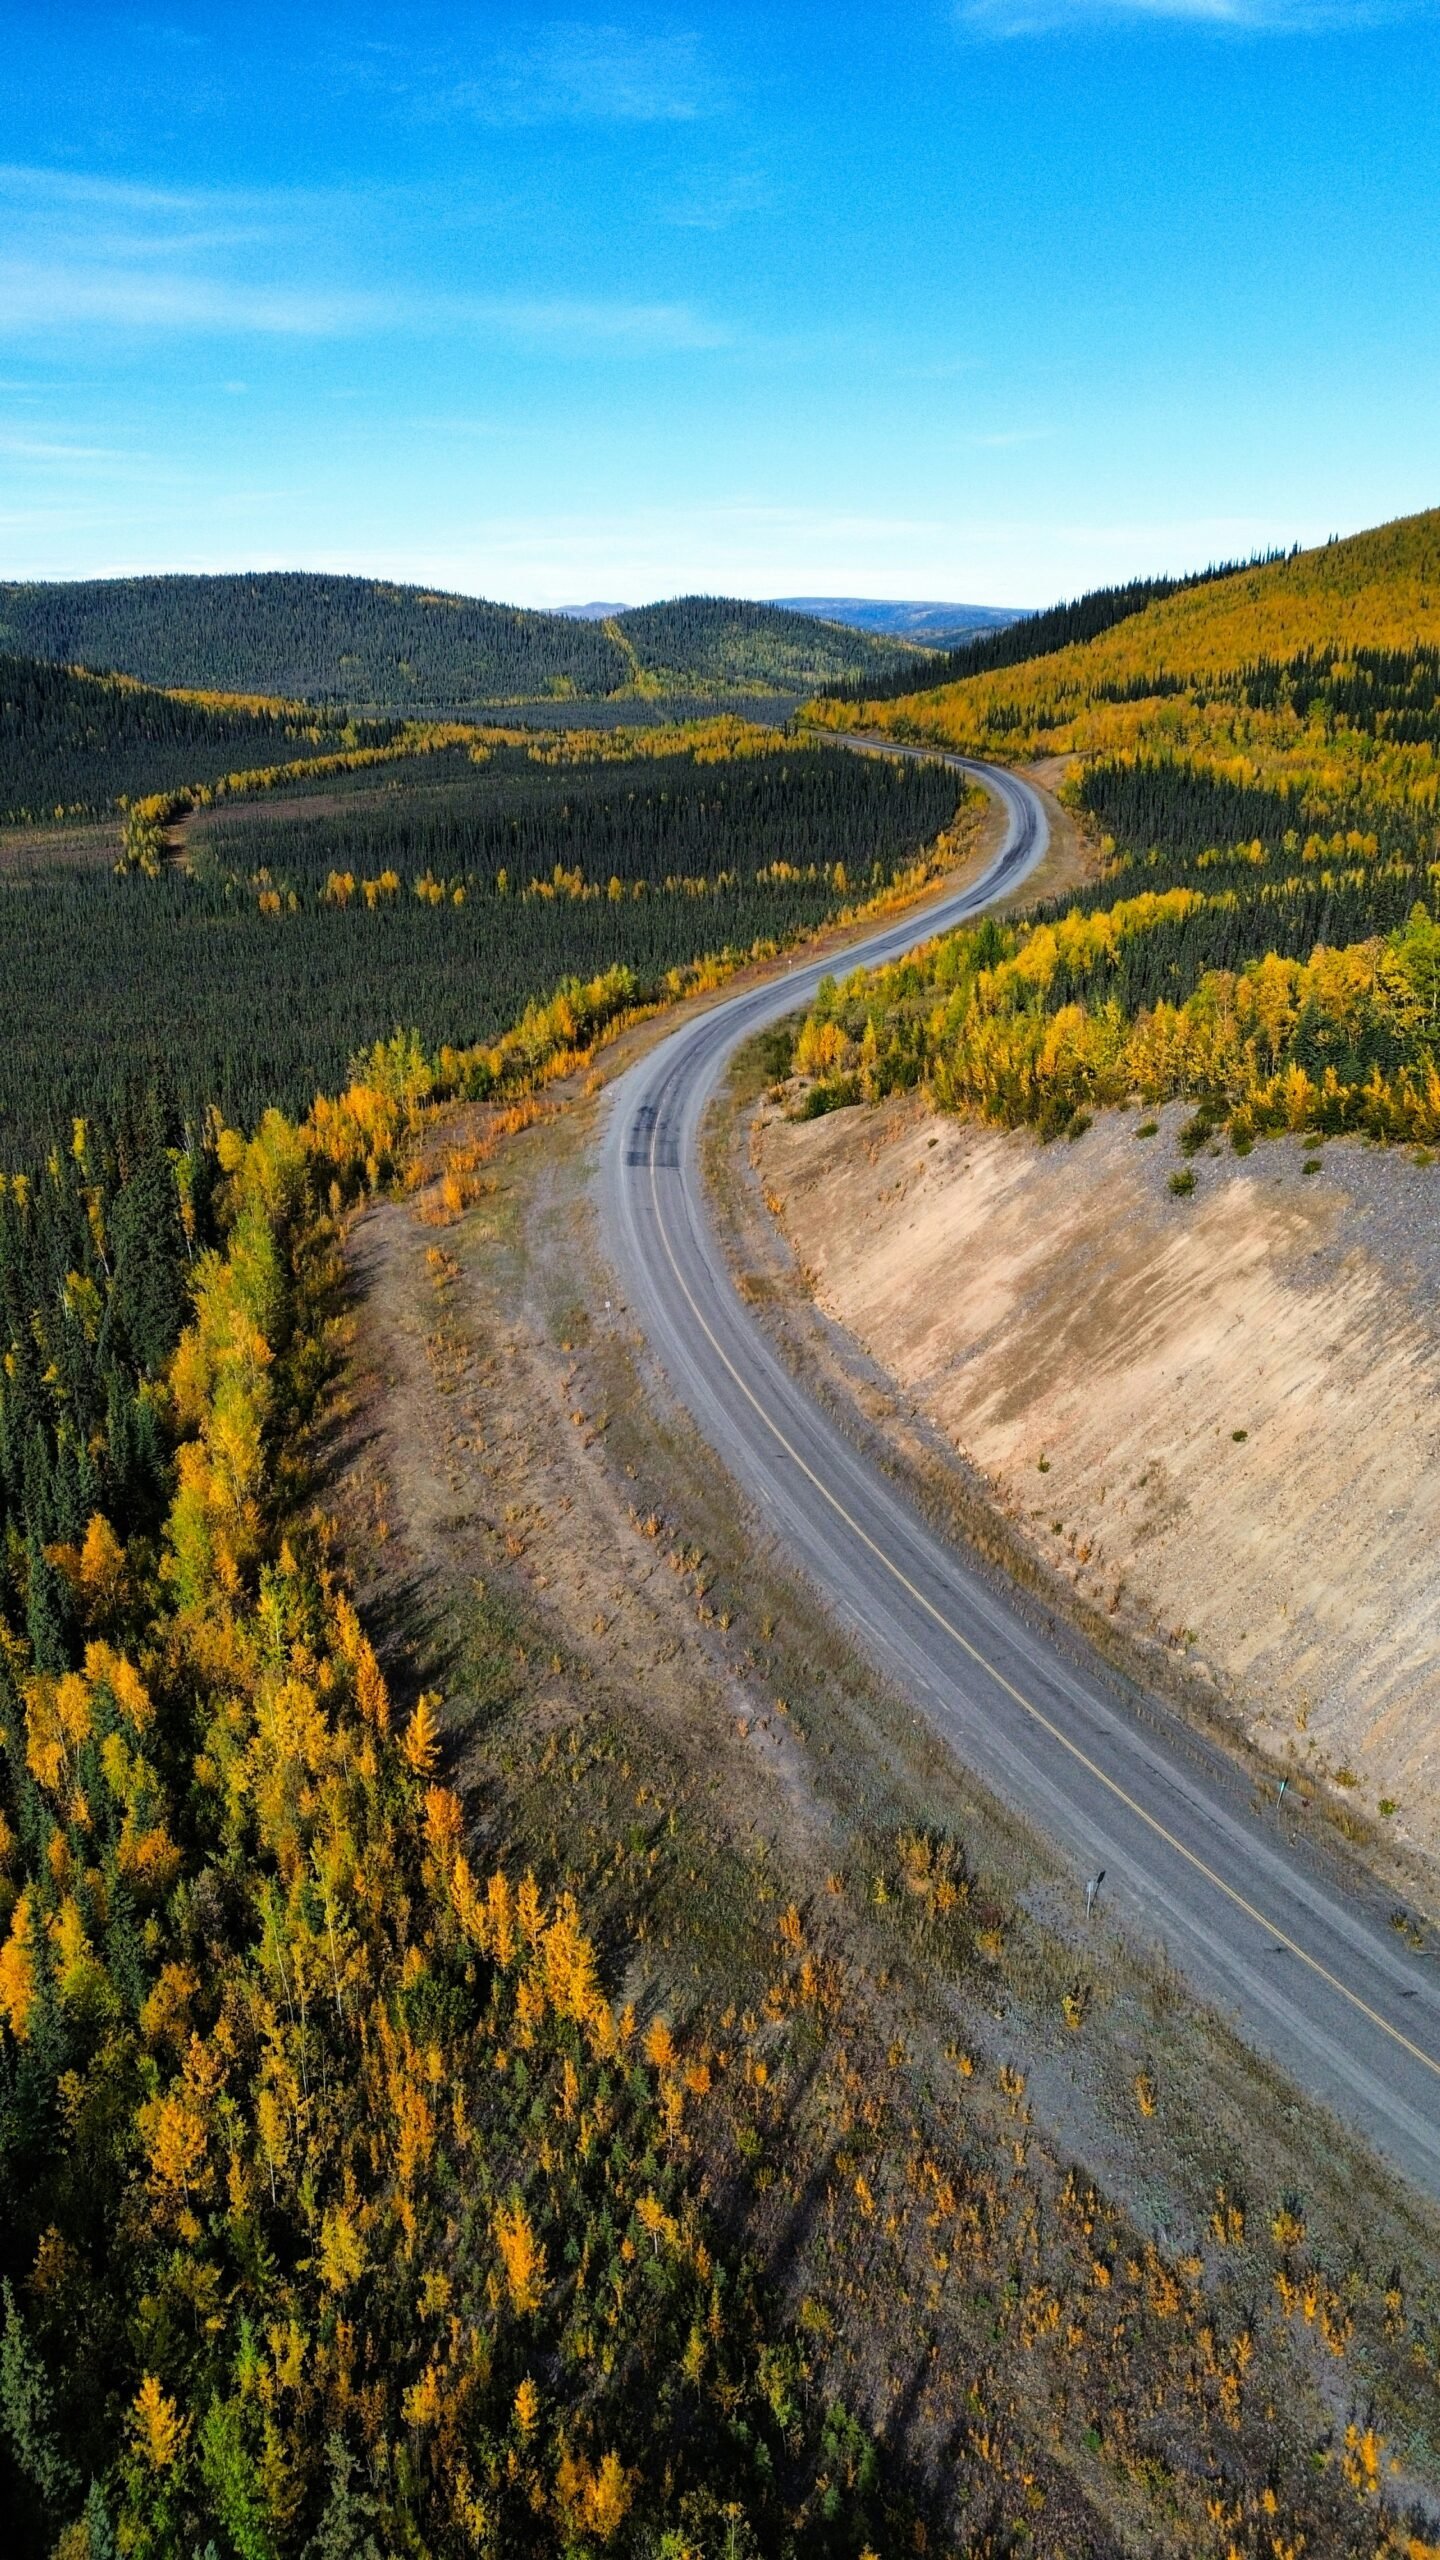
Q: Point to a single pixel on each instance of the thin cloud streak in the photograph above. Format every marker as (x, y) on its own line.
(1005, 19)
(42, 300)
(50, 193)
(59, 220)
(30, 449)
(89, 253)
(67, 186)
(38, 300)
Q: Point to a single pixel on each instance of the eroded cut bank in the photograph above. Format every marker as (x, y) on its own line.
(1216, 1412)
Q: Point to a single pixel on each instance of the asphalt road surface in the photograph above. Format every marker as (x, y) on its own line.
(1308, 1970)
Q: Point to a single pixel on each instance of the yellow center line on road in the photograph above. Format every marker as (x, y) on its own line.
(1036, 1714)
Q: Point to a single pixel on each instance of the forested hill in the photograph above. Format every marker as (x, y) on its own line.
(1241, 660)
(1019, 638)
(723, 640)
(393, 648)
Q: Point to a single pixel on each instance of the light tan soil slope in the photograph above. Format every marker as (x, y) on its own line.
(1217, 1413)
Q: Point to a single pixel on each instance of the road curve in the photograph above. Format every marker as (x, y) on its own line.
(1310, 1974)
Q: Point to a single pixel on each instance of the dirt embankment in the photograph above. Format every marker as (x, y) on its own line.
(1218, 1414)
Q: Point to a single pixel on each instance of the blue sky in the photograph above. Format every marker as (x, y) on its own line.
(982, 301)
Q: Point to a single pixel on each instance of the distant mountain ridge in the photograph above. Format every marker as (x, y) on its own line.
(929, 625)
(378, 647)
(932, 626)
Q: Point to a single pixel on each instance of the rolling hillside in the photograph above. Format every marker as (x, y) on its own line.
(388, 648)
(1256, 660)
(1012, 640)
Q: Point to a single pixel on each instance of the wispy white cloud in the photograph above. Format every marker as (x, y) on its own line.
(1009, 18)
(576, 71)
(66, 212)
(39, 300)
(51, 187)
(87, 255)
(37, 449)
(49, 190)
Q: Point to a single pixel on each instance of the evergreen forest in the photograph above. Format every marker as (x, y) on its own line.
(340, 2208)
(253, 971)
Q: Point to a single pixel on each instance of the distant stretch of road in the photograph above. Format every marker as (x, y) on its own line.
(1310, 1974)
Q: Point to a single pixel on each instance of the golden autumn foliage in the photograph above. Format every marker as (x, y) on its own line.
(17, 1969)
(421, 1744)
(1304, 694)
(316, 2063)
(1376, 591)
(999, 1023)
(521, 2256)
(593, 2498)
(158, 2429)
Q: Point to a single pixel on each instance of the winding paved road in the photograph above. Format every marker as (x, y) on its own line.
(1310, 1974)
